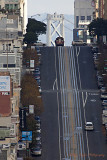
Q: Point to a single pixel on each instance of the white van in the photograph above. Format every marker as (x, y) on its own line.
(89, 126)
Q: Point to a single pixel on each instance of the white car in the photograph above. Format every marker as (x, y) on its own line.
(89, 126)
(79, 42)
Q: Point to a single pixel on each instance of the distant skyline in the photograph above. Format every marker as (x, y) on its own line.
(50, 7)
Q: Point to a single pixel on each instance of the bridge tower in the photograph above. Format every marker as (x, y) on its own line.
(55, 28)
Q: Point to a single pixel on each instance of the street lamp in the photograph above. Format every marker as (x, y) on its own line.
(35, 15)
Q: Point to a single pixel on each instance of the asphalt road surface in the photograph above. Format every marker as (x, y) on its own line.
(70, 97)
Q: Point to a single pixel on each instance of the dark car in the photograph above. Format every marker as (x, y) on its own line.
(38, 136)
(103, 89)
(36, 71)
(37, 49)
(100, 84)
(38, 143)
(37, 76)
(104, 102)
(95, 49)
(37, 118)
(38, 82)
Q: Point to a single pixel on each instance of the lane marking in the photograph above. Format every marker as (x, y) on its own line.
(93, 100)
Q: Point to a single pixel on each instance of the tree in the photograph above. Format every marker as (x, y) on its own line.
(98, 27)
(30, 38)
(30, 54)
(34, 29)
(30, 93)
(31, 125)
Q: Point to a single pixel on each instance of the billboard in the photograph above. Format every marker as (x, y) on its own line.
(4, 83)
(27, 135)
(31, 109)
(32, 63)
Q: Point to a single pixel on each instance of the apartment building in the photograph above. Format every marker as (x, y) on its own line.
(12, 28)
(105, 9)
(13, 21)
(100, 9)
(9, 117)
(83, 15)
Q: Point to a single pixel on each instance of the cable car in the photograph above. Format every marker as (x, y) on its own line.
(59, 41)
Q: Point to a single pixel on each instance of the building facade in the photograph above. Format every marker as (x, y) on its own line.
(13, 21)
(9, 117)
(105, 9)
(83, 15)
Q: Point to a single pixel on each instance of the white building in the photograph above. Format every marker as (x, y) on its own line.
(13, 21)
(83, 15)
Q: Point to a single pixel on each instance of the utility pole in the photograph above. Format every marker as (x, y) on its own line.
(7, 46)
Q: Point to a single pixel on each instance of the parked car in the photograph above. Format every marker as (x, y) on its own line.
(38, 136)
(37, 69)
(37, 127)
(104, 102)
(38, 143)
(95, 49)
(36, 72)
(39, 60)
(36, 151)
(40, 90)
(79, 42)
(38, 130)
(37, 49)
(103, 89)
(38, 82)
(104, 95)
(89, 126)
(37, 123)
(37, 76)
(100, 84)
(104, 107)
(100, 78)
(37, 118)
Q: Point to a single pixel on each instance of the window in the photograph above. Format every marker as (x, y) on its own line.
(3, 47)
(16, 6)
(77, 20)
(6, 6)
(82, 17)
(20, 33)
(88, 17)
(82, 26)
(9, 65)
(11, 6)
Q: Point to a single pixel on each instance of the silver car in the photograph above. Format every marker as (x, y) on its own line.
(37, 151)
(104, 95)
